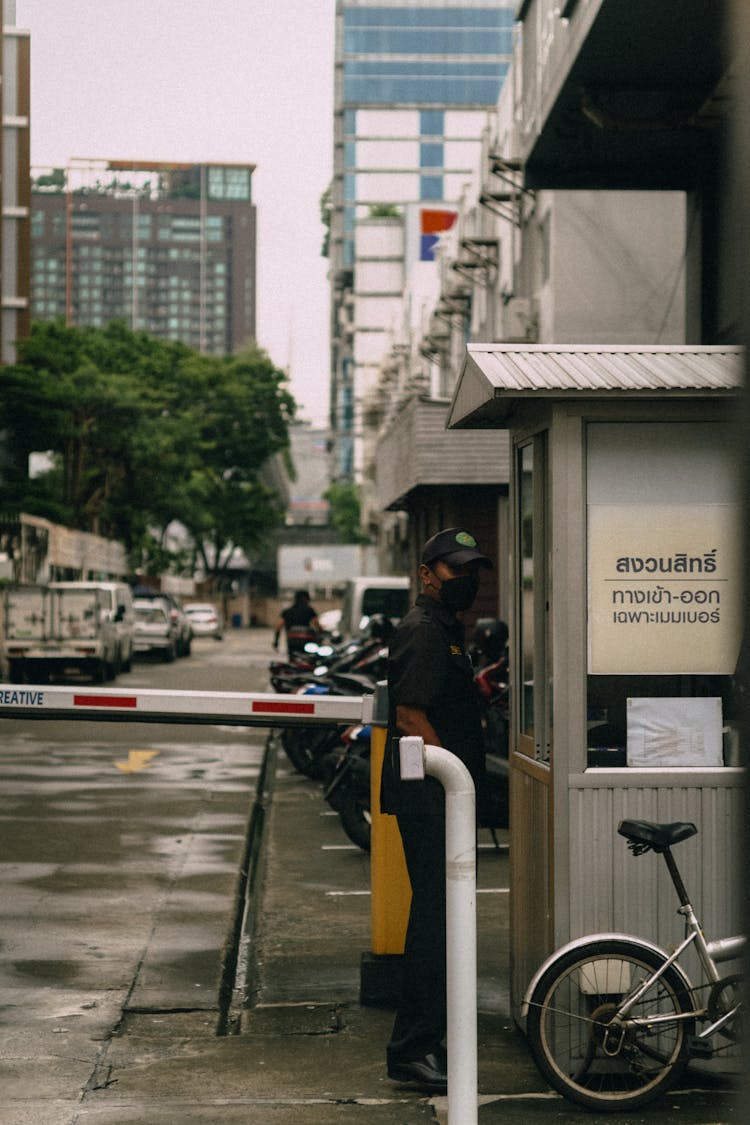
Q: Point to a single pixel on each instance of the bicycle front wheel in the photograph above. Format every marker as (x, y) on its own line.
(581, 1046)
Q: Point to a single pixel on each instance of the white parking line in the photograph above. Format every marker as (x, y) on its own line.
(344, 894)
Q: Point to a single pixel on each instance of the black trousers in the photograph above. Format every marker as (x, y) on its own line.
(420, 1024)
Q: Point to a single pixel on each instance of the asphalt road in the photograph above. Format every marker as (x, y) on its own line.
(120, 847)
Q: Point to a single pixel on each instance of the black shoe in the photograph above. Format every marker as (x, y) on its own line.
(428, 1073)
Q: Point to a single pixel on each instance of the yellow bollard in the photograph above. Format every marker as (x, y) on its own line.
(389, 882)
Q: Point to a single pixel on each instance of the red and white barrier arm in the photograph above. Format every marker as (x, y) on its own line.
(245, 709)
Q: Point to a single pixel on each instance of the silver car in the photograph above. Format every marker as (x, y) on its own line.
(205, 619)
(155, 630)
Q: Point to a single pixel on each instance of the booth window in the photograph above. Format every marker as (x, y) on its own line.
(664, 595)
(532, 608)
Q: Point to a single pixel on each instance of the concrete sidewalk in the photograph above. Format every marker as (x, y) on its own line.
(306, 1052)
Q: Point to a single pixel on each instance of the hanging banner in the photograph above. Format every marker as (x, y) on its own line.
(664, 589)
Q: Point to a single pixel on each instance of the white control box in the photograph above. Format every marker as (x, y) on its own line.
(411, 751)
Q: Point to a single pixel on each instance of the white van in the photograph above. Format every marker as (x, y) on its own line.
(117, 599)
(389, 595)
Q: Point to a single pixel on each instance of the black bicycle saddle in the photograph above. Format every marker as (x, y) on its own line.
(644, 834)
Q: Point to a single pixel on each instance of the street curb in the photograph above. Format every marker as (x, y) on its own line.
(235, 957)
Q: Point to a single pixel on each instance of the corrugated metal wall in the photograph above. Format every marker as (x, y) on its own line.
(610, 889)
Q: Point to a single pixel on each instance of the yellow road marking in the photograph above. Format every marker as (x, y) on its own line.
(137, 760)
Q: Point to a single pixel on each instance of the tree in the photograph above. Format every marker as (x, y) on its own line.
(145, 432)
(346, 512)
(244, 415)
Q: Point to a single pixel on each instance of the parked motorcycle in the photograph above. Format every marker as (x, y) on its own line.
(364, 653)
(346, 773)
(306, 747)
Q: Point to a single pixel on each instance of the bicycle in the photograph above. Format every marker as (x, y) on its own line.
(613, 1020)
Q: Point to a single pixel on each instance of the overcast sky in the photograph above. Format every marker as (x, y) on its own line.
(201, 80)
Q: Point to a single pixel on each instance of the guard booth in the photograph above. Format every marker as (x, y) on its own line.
(625, 631)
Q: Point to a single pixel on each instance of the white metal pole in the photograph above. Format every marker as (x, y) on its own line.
(461, 918)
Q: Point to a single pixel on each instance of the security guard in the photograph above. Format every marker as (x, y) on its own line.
(431, 694)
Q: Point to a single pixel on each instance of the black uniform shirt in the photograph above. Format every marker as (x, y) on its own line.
(428, 669)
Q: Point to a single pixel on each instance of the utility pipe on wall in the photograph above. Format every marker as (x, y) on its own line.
(416, 759)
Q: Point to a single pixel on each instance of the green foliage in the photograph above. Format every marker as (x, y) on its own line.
(326, 216)
(384, 211)
(145, 432)
(54, 181)
(346, 512)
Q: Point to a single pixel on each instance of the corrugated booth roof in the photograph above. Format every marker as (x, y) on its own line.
(495, 376)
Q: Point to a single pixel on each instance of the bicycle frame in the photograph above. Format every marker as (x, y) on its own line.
(709, 953)
(613, 1020)
(588, 939)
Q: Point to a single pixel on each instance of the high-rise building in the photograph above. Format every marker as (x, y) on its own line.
(14, 140)
(168, 248)
(415, 81)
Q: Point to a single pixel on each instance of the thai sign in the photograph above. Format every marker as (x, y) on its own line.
(664, 589)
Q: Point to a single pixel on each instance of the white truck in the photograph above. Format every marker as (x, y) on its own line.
(49, 630)
(388, 595)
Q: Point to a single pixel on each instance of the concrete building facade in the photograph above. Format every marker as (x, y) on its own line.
(526, 265)
(168, 248)
(15, 195)
(415, 84)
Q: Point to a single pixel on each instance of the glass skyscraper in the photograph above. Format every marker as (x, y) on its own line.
(413, 84)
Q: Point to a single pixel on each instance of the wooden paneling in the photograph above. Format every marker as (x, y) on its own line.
(531, 872)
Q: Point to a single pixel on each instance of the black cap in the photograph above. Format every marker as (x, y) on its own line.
(454, 546)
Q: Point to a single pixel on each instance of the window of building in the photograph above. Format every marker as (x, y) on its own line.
(214, 228)
(428, 41)
(430, 155)
(142, 226)
(350, 122)
(448, 83)
(350, 154)
(85, 225)
(350, 187)
(431, 122)
(533, 599)
(228, 183)
(431, 188)
(179, 228)
(37, 224)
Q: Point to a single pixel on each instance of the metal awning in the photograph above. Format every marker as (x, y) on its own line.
(495, 376)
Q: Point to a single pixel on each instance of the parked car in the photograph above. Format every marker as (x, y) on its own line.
(205, 619)
(155, 630)
(177, 613)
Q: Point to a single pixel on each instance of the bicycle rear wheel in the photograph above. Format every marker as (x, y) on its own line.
(587, 1057)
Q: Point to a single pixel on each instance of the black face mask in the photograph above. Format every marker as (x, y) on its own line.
(459, 593)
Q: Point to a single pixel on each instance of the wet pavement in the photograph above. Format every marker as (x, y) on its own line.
(118, 926)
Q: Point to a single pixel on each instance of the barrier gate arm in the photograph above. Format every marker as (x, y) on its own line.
(246, 709)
